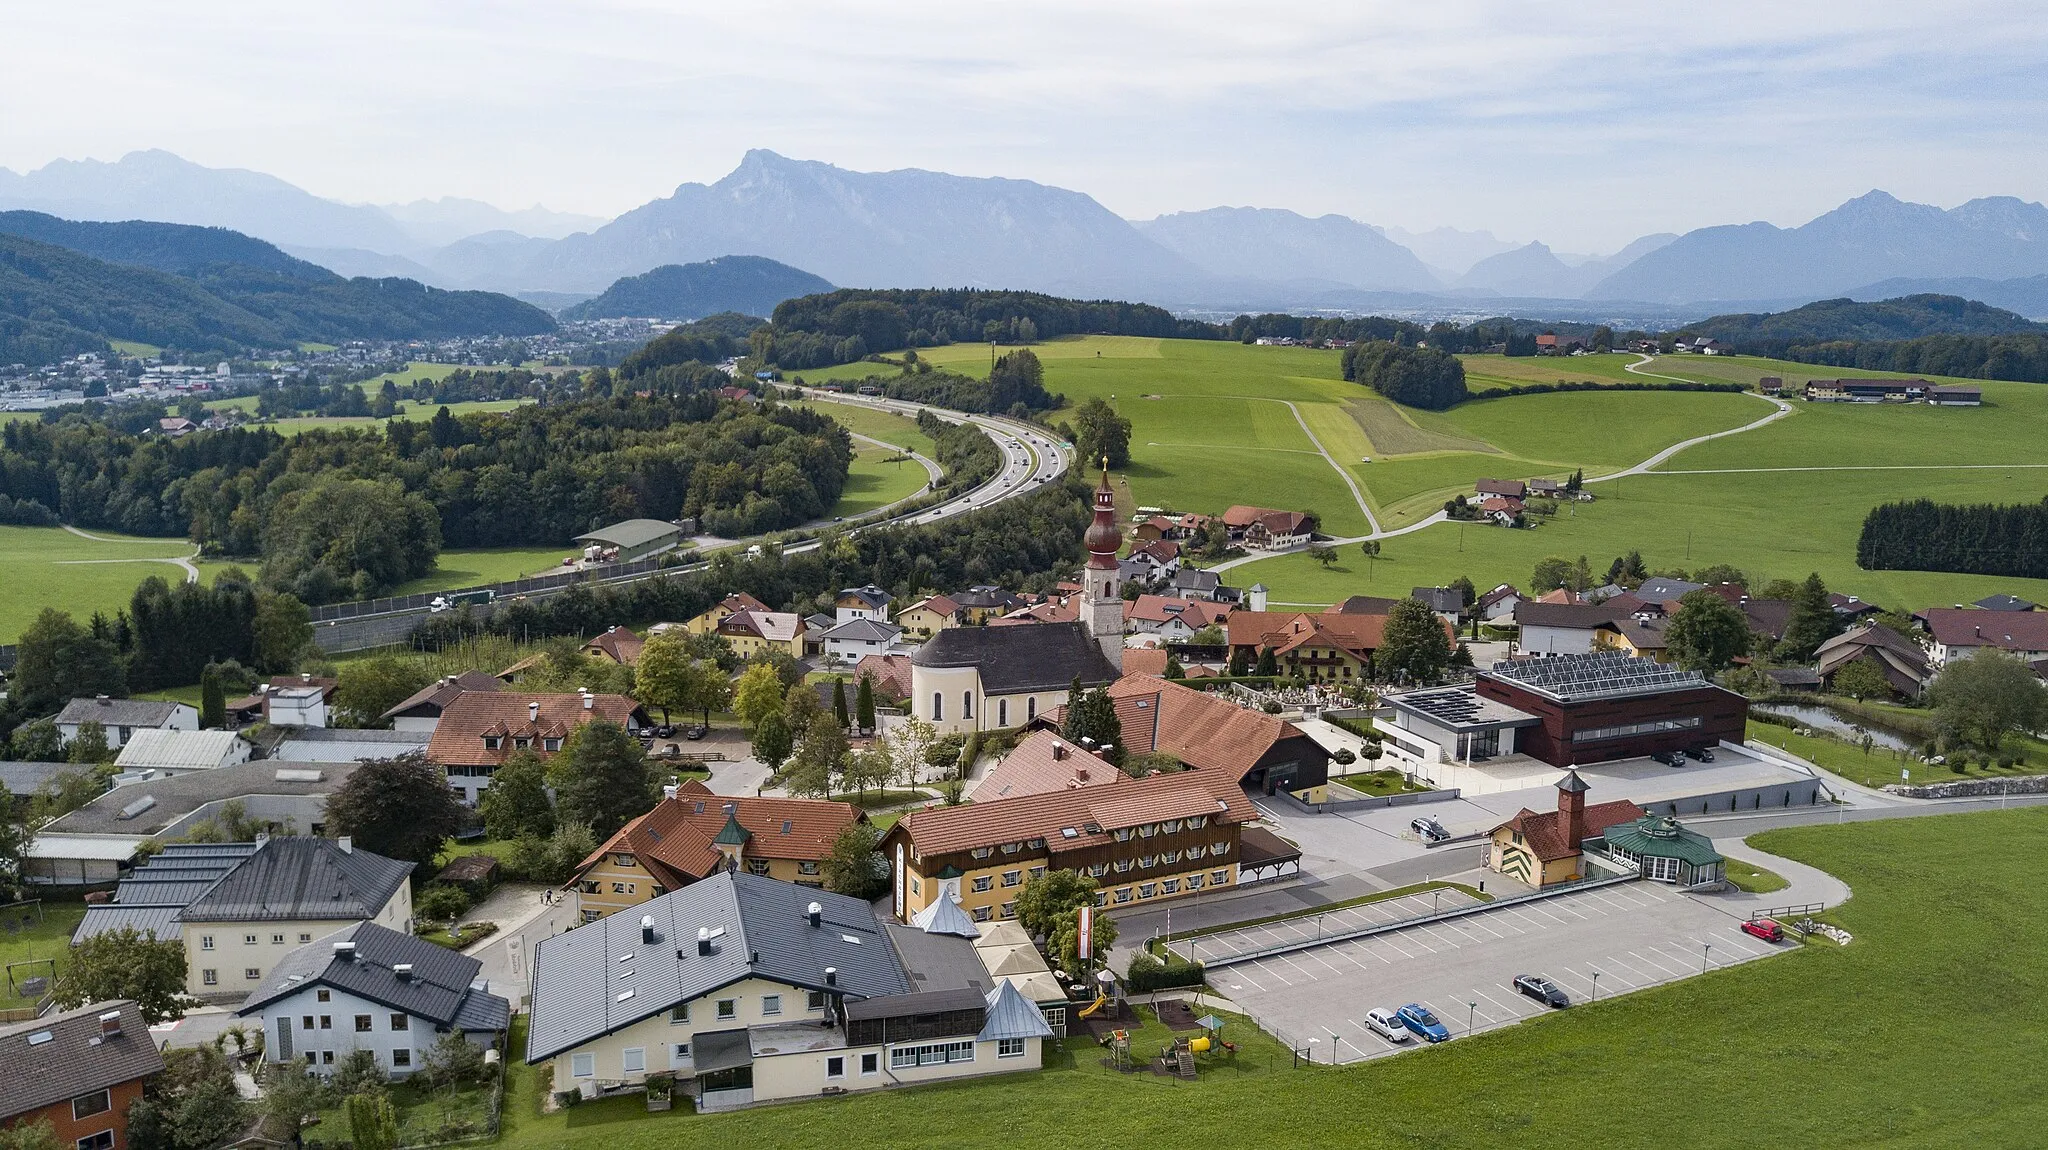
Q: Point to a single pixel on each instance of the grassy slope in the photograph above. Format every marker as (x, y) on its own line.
(40, 567)
(1829, 1046)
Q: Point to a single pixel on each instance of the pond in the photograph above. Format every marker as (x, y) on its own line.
(1823, 719)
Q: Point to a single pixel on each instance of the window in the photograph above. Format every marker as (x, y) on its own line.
(934, 1054)
(277, 940)
(982, 852)
(582, 1065)
(622, 888)
(1601, 734)
(401, 1022)
(771, 1004)
(835, 1066)
(104, 1140)
(984, 913)
(87, 1105)
(210, 977)
(1002, 712)
(1030, 708)
(1194, 882)
(983, 882)
(1147, 862)
(814, 1000)
(1012, 877)
(1147, 889)
(1222, 848)
(1012, 848)
(1147, 831)
(1196, 852)
(522, 742)
(1098, 870)
(305, 936)
(757, 866)
(587, 886)
(327, 1058)
(1123, 865)
(493, 742)
(938, 707)
(967, 704)
(1221, 876)
(592, 915)
(623, 860)
(807, 868)
(1101, 898)
(1171, 826)
(680, 1013)
(1009, 910)
(362, 1024)
(327, 1022)
(306, 1022)
(206, 942)
(728, 1008)
(323, 995)
(1123, 894)
(1170, 886)
(1198, 822)
(552, 743)
(633, 1060)
(401, 1057)
(1009, 1048)
(1038, 872)
(870, 1064)
(1122, 834)
(678, 1055)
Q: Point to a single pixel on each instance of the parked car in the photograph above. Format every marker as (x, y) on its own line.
(1431, 830)
(1386, 1023)
(1422, 1023)
(1668, 758)
(696, 732)
(1763, 928)
(665, 731)
(1542, 990)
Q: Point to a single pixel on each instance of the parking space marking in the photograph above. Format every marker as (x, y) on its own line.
(1638, 954)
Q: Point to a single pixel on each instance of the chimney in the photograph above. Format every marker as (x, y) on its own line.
(306, 677)
(703, 940)
(815, 914)
(1059, 752)
(1087, 742)
(533, 712)
(347, 844)
(345, 951)
(589, 701)
(1081, 773)
(831, 976)
(1104, 751)
(110, 1025)
(103, 700)
(647, 930)
(403, 970)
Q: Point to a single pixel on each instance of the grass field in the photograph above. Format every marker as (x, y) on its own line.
(877, 477)
(28, 941)
(1910, 1037)
(485, 565)
(51, 567)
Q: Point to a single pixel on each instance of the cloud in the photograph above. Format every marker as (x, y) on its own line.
(1584, 124)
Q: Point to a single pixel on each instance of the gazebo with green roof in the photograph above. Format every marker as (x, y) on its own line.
(1664, 851)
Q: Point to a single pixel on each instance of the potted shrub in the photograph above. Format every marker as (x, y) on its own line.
(660, 1091)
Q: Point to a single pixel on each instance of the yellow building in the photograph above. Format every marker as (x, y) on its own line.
(929, 616)
(708, 622)
(1543, 849)
(751, 633)
(696, 834)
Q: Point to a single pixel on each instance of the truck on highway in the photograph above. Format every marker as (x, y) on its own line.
(460, 599)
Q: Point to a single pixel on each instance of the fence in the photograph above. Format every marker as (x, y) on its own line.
(512, 587)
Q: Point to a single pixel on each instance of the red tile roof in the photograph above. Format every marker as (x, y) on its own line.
(1197, 613)
(1284, 631)
(1973, 627)
(1545, 833)
(891, 673)
(1145, 662)
(1124, 802)
(619, 644)
(1043, 762)
(676, 835)
(459, 737)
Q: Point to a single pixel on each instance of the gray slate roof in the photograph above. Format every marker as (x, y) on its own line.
(876, 598)
(179, 795)
(301, 878)
(858, 630)
(1041, 657)
(74, 1059)
(119, 712)
(442, 984)
(605, 975)
(25, 778)
(2005, 603)
(1660, 589)
(938, 961)
(161, 921)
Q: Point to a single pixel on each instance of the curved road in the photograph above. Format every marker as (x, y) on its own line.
(1031, 457)
(1783, 409)
(191, 572)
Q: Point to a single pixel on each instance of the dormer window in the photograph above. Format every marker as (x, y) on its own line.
(1012, 848)
(551, 744)
(521, 742)
(1198, 822)
(1122, 834)
(1169, 827)
(982, 852)
(1147, 831)
(1036, 844)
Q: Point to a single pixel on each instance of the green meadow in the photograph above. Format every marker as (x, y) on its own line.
(52, 567)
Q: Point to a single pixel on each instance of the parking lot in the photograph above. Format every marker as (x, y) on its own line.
(1215, 947)
(1632, 935)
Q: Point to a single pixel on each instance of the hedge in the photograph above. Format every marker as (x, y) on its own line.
(1148, 974)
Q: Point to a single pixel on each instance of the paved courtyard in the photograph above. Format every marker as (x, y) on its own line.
(1632, 935)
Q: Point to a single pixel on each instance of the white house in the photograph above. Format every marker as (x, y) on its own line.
(298, 707)
(177, 750)
(1559, 628)
(1958, 632)
(856, 639)
(121, 718)
(367, 987)
(869, 602)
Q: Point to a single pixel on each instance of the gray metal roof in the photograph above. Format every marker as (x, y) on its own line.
(631, 533)
(301, 878)
(938, 961)
(324, 745)
(944, 916)
(442, 980)
(607, 975)
(179, 795)
(177, 750)
(1011, 1015)
(876, 598)
(857, 629)
(1040, 657)
(721, 1050)
(62, 1056)
(120, 712)
(1660, 589)
(159, 920)
(26, 778)
(922, 1002)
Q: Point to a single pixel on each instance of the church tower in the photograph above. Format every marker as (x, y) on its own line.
(1102, 587)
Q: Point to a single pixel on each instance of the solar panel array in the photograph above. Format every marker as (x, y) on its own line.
(1601, 675)
(1454, 706)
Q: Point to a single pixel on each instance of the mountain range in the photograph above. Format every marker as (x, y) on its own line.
(750, 285)
(915, 228)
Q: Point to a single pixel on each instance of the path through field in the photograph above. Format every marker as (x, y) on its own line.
(191, 572)
(1783, 409)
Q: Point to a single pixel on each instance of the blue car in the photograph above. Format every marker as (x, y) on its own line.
(1417, 1018)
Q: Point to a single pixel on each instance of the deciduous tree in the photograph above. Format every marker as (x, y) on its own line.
(1986, 696)
(131, 964)
(1860, 679)
(662, 676)
(856, 867)
(400, 808)
(757, 693)
(773, 741)
(89, 745)
(1413, 648)
(1706, 633)
(601, 778)
(282, 630)
(1100, 433)
(516, 804)
(370, 687)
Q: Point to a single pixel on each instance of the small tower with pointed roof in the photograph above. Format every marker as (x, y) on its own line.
(1102, 587)
(1571, 803)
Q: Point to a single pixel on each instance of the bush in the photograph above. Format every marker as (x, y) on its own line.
(1343, 757)
(568, 1098)
(1270, 707)
(1148, 973)
(441, 902)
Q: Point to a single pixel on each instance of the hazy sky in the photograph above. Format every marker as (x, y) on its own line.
(1584, 124)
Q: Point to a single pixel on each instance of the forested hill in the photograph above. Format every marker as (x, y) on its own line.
(752, 285)
(67, 287)
(1839, 320)
(852, 323)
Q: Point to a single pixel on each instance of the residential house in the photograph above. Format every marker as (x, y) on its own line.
(694, 834)
(1210, 733)
(1173, 620)
(1513, 489)
(1561, 628)
(1360, 605)
(174, 751)
(930, 615)
(420, 713)
(149, 898)
(1771, 385)
(1958, 632)
(616, 645)
(78, 1070)
(751, 633)
(1266, 529)
(1448, 602)
(121, 717)
(1547, 489)
(1661, 589)
(21, 782)
(1498, 604)
(707, 622)
(750, 990)
(856, 639)
(982, 678)
(480, 730)
(869, 602)
(890, 674)
(1160, 560)
(980, 603)
(367, 987)
(1501, 510)
(1191, 583)
(1902, 662)
(1322, 648)
(1052, 611)
(1545, 849)
(1042, 761)
(1180, 528)
(1161, 837)
(286, 701)
(97, 842)
(815, 625)
(2005, 603)
(176, 427)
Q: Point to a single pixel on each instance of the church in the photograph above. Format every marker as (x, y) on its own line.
(988, 678)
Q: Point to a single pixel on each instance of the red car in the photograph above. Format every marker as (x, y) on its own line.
(1764, 928)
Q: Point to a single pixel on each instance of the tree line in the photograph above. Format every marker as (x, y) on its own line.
(1415, 376)
(2018, 357)
(1975, 539)
(848, 325)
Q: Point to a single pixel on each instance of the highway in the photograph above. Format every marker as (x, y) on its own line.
(1031, 457)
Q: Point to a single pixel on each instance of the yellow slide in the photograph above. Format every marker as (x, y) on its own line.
(1092, 1007)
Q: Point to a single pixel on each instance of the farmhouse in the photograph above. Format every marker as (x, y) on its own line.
(1265, 529)
(79, 1071)
(1958, 632)
(1323, 648)
(1498, 604)
(1866, 390)
(755, 632)
(367, 987)
(694, 834)
(119, 718)
(1545, 849)
(1175, 620)
(1504, 488)
(751, 990)
(421, 712)
(481, 729)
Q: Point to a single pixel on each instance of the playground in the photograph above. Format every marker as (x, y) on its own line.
(1193, 1038)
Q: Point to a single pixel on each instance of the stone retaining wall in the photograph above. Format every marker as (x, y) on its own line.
(1973, 788)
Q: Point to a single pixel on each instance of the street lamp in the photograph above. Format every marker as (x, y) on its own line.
(1333, 1048)
(1596, 986)
(1433, 897)
(1704, 955)
(1471, 1010)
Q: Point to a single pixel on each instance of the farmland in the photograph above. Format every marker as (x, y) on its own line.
(52, 567)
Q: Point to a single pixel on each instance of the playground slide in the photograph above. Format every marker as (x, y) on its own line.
(1092, 1007)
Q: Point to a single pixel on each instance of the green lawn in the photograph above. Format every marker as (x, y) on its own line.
(1917, 1035)
(1754, 879)
(425, 1116)
(24, 941)
(51, 567)
(877, 424)
(1882, 766)
(877, 477)
(486, 565)
(135, 348)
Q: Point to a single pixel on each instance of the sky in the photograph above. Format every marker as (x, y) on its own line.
(1582, 124)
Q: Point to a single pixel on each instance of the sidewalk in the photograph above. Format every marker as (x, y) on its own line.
(1805, 884)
